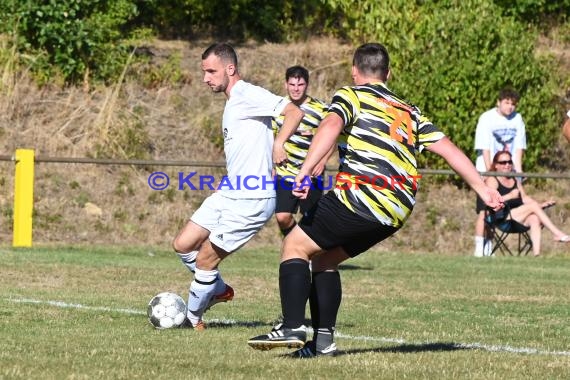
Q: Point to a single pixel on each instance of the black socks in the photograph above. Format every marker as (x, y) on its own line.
(294, 288)
(325, 298)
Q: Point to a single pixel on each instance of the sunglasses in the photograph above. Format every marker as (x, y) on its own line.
(509, 162)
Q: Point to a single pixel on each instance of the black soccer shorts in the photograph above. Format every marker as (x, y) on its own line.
(331, 224)
(287, 202)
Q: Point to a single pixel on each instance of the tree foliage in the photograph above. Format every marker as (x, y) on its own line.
(71, 38)
(536, 11)
(238, 20)
(450, 57)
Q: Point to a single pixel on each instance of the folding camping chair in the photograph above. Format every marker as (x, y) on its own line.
(501, 225)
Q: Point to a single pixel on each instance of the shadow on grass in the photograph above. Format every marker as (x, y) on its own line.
(353, 267)
(408, 348)
(217, 323)
(403, 348)
(229, 324)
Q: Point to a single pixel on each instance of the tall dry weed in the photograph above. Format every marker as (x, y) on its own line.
(9, 66)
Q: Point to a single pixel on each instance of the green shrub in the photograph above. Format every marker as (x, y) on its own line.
(71, 37)
(238, 20)
(128, 138)
(168, 73)
(452, 57)
(536, 10)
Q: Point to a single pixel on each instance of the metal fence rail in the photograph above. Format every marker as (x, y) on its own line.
(25, 162)
(209, 164)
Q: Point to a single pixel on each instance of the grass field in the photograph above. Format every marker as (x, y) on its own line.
(80, 313)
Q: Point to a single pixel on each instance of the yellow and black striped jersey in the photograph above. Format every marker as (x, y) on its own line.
(298, 144)
(378, 175)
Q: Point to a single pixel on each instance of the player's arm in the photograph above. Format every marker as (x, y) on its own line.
(292, 117)
(322, 144)
(461, 164)
(321, 165)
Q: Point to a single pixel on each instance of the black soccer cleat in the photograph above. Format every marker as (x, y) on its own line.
(280, 337)
(310, 351)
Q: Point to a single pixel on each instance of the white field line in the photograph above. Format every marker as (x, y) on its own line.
(76, 306)
(477, 346)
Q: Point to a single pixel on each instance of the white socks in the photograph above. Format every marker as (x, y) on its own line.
(189, 259)
(206, 284)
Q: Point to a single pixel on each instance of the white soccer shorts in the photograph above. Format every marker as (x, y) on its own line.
(233, 222)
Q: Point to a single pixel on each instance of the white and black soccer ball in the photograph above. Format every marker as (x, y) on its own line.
(166, 310)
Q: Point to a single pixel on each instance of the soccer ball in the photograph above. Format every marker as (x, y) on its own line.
(166, 310)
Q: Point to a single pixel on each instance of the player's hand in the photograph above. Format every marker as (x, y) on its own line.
(301, 193)
(279, 155)
(300, 186)
(492, 198)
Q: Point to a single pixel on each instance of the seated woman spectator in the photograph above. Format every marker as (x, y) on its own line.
(524, 210)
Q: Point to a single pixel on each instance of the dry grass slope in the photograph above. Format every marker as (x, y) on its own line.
(96, 204)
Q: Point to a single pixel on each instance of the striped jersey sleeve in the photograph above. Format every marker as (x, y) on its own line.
(298, 144)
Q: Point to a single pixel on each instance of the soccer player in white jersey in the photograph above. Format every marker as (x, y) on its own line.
(232, 215)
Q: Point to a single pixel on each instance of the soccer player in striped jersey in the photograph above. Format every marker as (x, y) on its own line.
(373, 196)
(295, 148)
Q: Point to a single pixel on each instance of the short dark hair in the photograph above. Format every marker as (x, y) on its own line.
(372, 59)
(509, 93)
(297, 72)
(222, 50)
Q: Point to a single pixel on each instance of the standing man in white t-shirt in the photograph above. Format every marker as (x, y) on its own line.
(500, 128)
(245, 199)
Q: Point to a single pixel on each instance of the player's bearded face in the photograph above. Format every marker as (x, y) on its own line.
(215, 75)
(222, 85)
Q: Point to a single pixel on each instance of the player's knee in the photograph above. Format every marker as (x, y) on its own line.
(176, 246)
(284, 219)
(180, 246)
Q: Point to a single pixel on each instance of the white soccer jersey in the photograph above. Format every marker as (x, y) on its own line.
(248, 140)
(497, 132)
